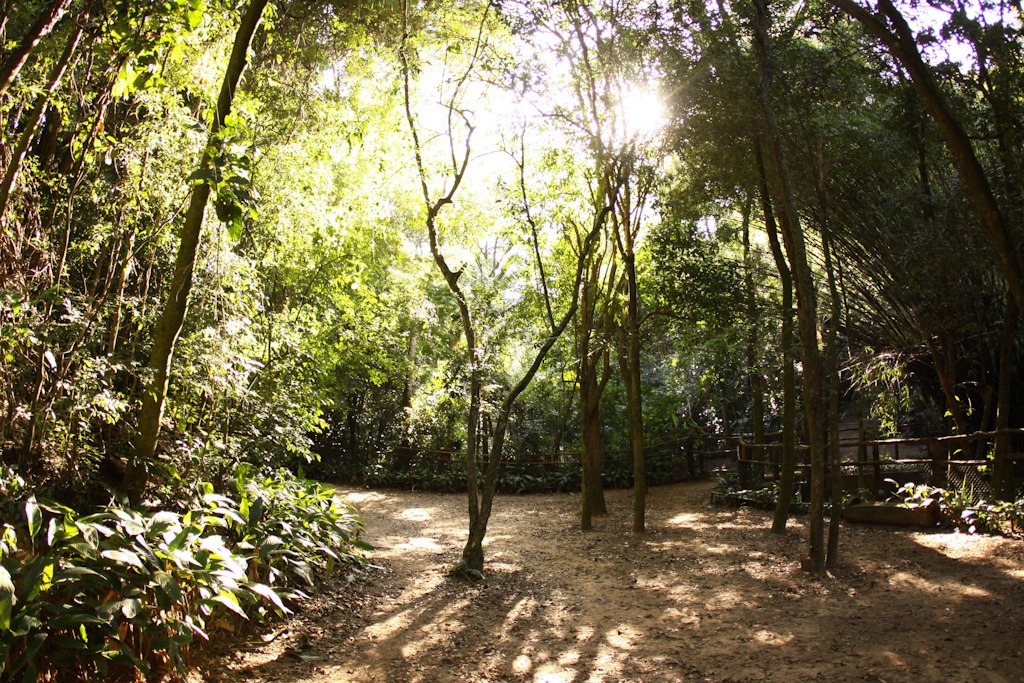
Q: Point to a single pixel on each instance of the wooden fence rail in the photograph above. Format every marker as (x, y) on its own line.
(948, 459)
(690, 453)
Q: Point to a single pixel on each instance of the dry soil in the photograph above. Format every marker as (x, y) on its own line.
(707, 594)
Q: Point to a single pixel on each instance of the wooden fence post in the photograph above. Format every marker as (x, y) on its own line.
(938, 454)
(688, 451)
(742, 467)
(877, 462)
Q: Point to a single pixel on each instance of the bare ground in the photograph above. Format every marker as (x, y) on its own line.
(706, 595)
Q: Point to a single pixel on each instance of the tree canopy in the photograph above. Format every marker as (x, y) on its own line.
(363, 241)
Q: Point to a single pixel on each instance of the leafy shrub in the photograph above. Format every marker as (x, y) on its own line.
(911, 495)
(960, 507)
(80, 594)
(730, 492)
(294, 528)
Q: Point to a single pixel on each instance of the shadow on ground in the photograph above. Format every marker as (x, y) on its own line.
(706, 594)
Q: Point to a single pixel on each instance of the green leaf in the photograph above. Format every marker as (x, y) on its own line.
(270, 594)
(68, 642)
(194, 15)
(6, 584)
(89, 534)
(6, 607)
(128, 607)
(73, 619)
(34, 517)
(256, 511)
(131, 607)
(168, 591)
(31, 648)
(235, 227)
(76, 574)
(123, 557)
(38, 578)
(23, 624)
(203, 175)
(229, 600)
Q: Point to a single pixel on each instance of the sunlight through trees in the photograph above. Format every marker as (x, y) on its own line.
(496, 246)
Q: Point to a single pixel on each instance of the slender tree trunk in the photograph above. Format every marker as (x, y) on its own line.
(482, 500)
(629, 358)
(899, 39)
(32, 123)
(636, 426)
(405, 445)
(793, 239)
(626, 228)
(832, 370)
(173, 315)
(40, 29)
(945, 368)
(592, 496)
(480, 495)
(755, 380)
(1002, 468)
(787, 468)
(563, 423)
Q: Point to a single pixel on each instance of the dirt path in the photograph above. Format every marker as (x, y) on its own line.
(706, 595)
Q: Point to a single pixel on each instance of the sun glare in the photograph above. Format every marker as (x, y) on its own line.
(644, 113)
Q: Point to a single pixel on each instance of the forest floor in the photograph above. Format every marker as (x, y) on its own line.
(707, 594)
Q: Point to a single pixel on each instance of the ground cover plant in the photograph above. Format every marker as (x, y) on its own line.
(485, 247)
(116, 590)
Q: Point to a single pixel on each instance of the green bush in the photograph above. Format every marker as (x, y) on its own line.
(80, 594)
(962, 508)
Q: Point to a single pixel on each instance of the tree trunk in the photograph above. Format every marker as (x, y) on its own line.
(832, 370)
(755, 380)
(36, 115)
(945, 368)
(590, 475)
(900, 41)
(40, 29)
(592, 494)
(629, 363)
(173, 315)
(787, 468)
(793, 239)
(1002, 468)
(482, 501)
(404, 459)
(591, 388)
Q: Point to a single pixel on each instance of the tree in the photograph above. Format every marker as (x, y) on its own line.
(780, 185)
(39, 29)
(598, 45)
(38, 108)
(480, 493)
(890, 27)
(176, 307)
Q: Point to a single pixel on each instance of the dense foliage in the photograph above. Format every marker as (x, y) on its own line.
(123, 589)
(370, 241)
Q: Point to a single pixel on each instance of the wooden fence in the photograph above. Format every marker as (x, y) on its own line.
(961, 460)
(689, 456)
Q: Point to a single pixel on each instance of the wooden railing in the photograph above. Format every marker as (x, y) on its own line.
(694, 451)
(942, 460)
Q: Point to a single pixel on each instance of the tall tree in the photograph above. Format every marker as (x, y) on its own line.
(38, 109)
(175, 308)
(480, 490)
(39, 29)
(781, 187)
(891, 28)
